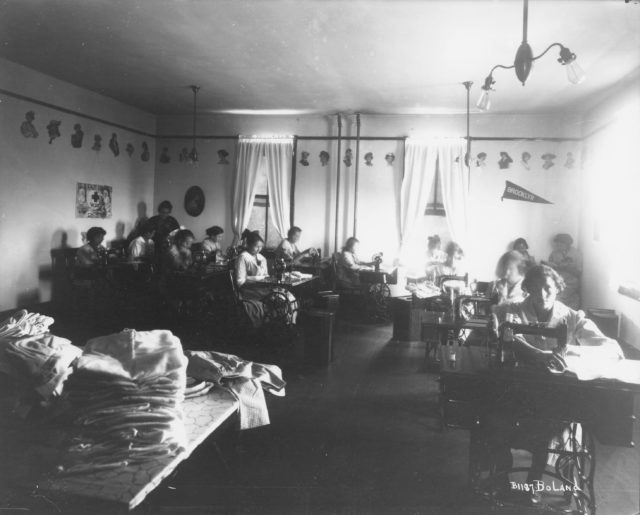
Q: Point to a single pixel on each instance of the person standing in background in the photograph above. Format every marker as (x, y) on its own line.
(163, 224)
(567, 261)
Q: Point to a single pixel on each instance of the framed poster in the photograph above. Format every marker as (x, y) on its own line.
(93, 200)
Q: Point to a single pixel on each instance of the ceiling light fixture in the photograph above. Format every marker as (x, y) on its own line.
(524, 62)
(193, 155)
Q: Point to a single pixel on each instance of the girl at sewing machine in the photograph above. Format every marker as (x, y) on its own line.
(452, 266)
(509, 425)
(349, 265)
(510, 272)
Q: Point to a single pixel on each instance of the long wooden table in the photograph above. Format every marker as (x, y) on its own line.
(130, 485)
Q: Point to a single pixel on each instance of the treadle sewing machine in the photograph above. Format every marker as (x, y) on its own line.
(481, 381)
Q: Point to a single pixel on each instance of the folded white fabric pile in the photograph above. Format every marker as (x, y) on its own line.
(24, 323)
(33, 356)
(244, 379)
(126, 395)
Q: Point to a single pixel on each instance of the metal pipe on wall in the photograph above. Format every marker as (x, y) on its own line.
(292, 193)
(335, 236)
(355, 187)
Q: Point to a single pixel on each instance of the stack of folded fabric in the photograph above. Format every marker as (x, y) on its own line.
(33, 356)
(126, 395)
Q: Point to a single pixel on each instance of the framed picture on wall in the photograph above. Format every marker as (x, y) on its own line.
(93, 200)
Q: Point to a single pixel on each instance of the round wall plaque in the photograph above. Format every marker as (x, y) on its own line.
(194, 201)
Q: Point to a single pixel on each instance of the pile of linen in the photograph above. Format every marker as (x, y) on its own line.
(36, 359)
(126, 397)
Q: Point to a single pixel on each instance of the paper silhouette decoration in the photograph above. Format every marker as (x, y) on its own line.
(324, 158)
(77, 136)
(481, 159)
(97, 143)
(390, 158)
(570, 162)
(145, 152)
(548, 160)
(183, 157)
(53, 129)
(505, 161)
(304, 158)
(165, 157)
(514, 192)
(526, 157)
(222, 157)
(129, 149)
(368, 159)
(27, 128)
(114, 145)
(348, 157)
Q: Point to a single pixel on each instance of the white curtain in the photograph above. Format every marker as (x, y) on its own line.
(278, 155)
(419, 173)
(454, 178)
(273, 156)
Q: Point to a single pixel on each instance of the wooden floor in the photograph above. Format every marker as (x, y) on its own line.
(359, 437)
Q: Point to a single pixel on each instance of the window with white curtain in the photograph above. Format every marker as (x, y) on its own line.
(260, 217)
(435, 206)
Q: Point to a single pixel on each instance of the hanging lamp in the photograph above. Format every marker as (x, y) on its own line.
(524, 62)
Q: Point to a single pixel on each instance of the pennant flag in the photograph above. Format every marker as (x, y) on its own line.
(515, 192)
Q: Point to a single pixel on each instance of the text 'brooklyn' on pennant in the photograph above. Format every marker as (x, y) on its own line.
(515, 192)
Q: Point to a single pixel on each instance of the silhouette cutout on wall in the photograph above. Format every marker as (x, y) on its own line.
(304, 158)
(27, 128)
(183, 157)
(324, 158)
(548, 160)
(113, 144)
(145, 152)
(53, 129)
(77, 136)
(390, 158)
(165, 157)
(526, 157)
(570, 162)
(368, 159)
(129, 149)
(222, 157)
(348, 157)
(481, 159)
(97, 143)
(505, 161)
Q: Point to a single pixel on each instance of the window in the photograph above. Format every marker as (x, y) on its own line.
(435, 206)
(260, 219)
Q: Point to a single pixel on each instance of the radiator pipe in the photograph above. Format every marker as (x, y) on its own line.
(338, 157)
(355, 187)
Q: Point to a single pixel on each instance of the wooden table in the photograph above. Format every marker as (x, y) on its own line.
(473, 385)
(130, 485)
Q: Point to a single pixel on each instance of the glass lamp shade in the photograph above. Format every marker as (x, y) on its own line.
(575, 73)
(484, 102)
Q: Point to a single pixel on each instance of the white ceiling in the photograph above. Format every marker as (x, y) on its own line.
(377, 56)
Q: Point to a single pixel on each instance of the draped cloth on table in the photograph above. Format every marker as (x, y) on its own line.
(273, 155)
(245, 380)
(454, 178)
(419, 173)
